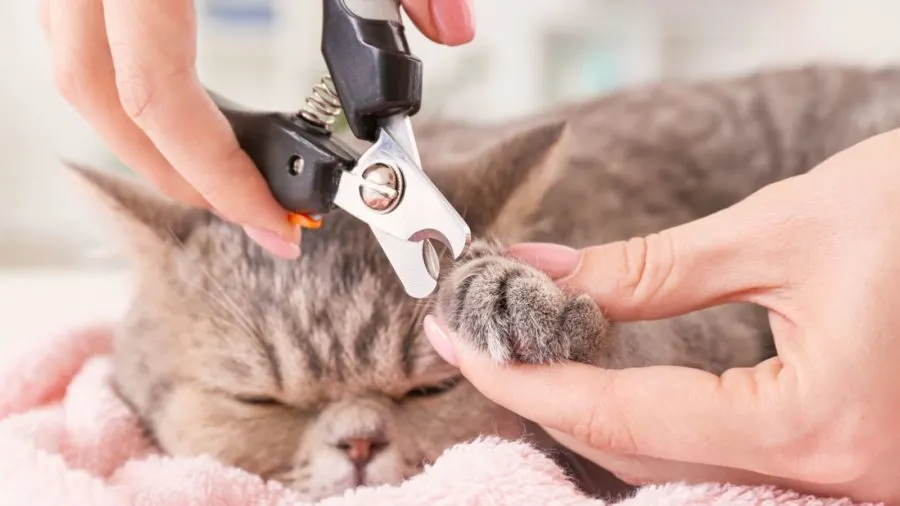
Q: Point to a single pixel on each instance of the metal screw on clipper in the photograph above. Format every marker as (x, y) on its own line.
(381, 187)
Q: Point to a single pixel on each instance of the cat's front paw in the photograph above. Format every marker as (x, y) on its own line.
(515, 312)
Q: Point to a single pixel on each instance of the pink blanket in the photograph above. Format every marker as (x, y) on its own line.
(65, 438)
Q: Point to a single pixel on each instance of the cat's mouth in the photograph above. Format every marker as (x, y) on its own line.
(364, 479)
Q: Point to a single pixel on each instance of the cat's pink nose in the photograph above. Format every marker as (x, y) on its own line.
(361, 450)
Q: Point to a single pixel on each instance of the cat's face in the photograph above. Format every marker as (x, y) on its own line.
(314, 372)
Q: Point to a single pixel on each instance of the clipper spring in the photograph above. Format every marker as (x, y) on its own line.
(323, 106)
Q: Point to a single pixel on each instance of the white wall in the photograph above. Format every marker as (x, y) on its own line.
(527, 55)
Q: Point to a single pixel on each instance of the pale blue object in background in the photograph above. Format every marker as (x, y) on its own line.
(246, 13)
(601, 69)
(580, 65)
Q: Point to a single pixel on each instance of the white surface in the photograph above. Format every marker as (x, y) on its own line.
(34, 304)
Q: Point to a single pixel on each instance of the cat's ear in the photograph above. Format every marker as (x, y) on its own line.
(498, 188)
(151, 224)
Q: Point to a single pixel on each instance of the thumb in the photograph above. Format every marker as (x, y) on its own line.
(663, 412)
(727, 256)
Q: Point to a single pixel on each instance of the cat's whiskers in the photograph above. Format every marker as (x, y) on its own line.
(237, 321)
(235, 309)
(232, 307)
(237, 327)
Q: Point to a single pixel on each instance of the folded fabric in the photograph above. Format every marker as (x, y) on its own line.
(66, 438)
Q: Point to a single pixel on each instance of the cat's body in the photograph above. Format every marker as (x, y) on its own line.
(316, 372)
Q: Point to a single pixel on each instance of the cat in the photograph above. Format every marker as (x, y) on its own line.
(316, 372)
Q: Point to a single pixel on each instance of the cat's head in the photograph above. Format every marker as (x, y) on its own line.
(314, 372)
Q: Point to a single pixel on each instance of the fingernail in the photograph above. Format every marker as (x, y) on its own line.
(453, 20)
(439, 340)
(273, 243)
(556, 260)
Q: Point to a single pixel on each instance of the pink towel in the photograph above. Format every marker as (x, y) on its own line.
(65, 438)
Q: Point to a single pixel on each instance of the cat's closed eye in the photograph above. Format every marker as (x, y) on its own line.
(433, 390)
(258, 400)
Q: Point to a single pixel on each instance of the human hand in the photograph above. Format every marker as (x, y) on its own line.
(821, 252)
(449, 22)
(128, 67)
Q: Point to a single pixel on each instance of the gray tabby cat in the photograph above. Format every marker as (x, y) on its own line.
(316, 372)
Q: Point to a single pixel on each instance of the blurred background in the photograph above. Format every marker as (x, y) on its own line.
(527, 55)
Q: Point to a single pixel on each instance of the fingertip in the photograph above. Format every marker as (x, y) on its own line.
(419, 13)
(449, 22)
(454, 21)
(556, 260)
(246, 199)
(477, 366)
(474, 365)
(439, 337)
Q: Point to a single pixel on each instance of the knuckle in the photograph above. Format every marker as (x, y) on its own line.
(136, 92)
(614, 438)
(646, 264)
(140, 90)
(69, 82)
(635, 264)
(583, 431)
(601, 429)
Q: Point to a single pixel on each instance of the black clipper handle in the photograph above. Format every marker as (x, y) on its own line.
(276, 141)
(369, 60)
